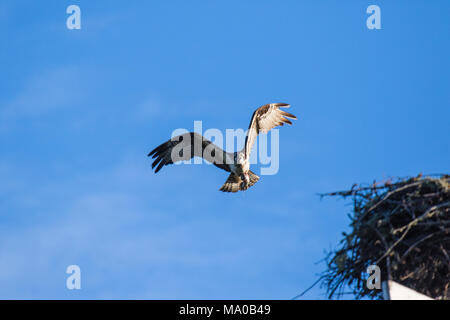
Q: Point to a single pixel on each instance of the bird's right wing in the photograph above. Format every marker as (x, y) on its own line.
(264, 119)
(187, 146)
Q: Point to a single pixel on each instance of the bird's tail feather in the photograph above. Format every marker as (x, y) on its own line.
(234, 182)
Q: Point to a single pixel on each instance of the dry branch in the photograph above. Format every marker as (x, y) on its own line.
(401, 226)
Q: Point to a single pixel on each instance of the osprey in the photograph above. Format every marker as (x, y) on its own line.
(186, 146)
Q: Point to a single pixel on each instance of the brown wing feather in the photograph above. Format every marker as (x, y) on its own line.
(185, 147)
(264, 119)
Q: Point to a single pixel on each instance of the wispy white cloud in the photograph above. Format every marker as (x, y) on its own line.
(113, 223)
(46, 93)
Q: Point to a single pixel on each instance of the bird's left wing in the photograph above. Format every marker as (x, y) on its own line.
(185, 147)
(264, 119)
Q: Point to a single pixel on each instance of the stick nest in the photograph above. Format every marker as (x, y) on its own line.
(402, 226)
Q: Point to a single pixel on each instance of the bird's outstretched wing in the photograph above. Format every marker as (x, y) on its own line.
(265, 118)
(185, 147)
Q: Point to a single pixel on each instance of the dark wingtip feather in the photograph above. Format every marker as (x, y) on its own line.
(155, 150)
(155, 163)
(161, 148)
(287, 121)
(156, 155)
(288, 115)
(161, 164)
(282, 105)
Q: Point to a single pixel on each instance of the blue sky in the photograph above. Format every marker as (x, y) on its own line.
(80, 109)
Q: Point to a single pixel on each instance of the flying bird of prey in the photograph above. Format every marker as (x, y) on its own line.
(188, 145)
